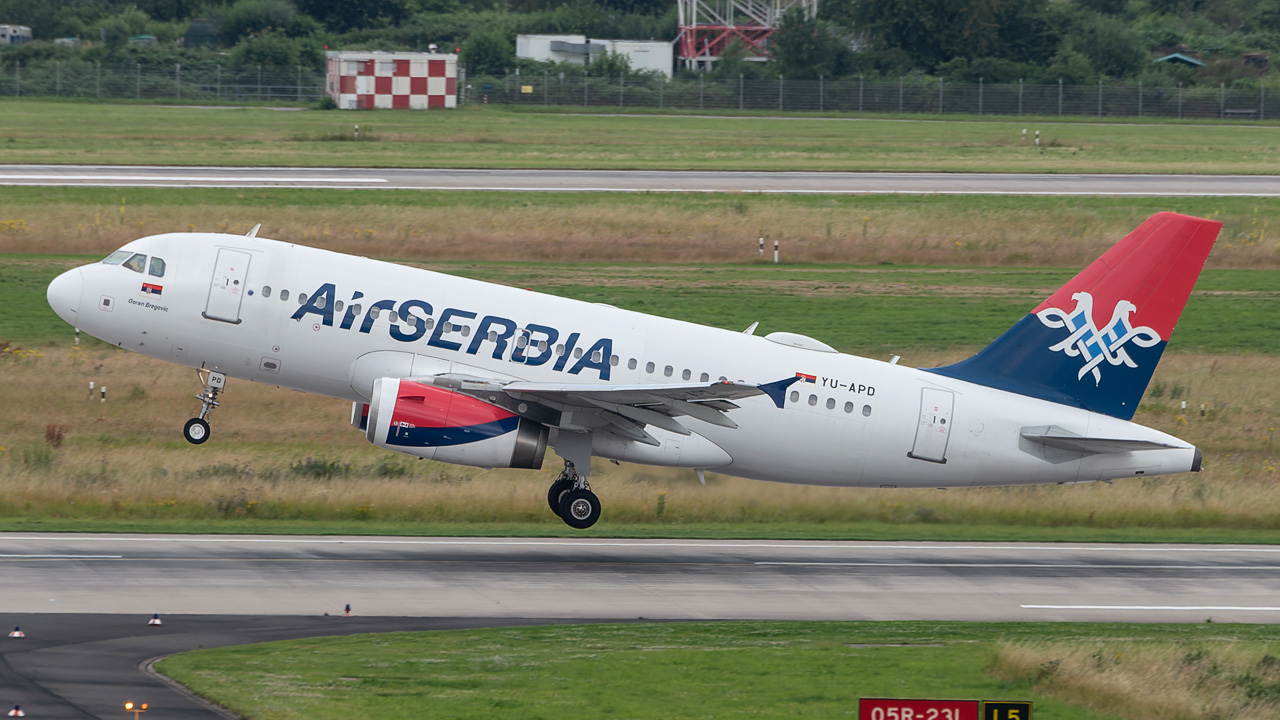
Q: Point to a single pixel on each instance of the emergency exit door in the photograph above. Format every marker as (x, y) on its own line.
(934, 428)
(226, 289)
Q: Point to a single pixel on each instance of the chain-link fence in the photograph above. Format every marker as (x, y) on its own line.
(208, 82)
(218, 83)
(936, 97)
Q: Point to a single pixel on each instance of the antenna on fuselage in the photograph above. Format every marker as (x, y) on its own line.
(751, 330)
(254, 231)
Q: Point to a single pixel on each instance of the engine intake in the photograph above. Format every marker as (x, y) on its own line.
(440, 424)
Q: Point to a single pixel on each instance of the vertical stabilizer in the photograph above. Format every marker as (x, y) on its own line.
(1096, 341)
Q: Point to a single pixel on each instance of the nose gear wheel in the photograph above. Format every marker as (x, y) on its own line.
(196, 431)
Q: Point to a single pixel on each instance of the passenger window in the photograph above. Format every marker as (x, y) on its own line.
(577, 352)
(795, 396)
(831, 403)
(686, 374)
(266, 291)
(355, 309)
(668, 370)
(813, 400)
(522, 341)
(284, 294)
(116, 257)
(302, 298)
(866, 411)
(613, 361)
(560, 349)
(542, 346)
(137, 263)
(848, 407)
(337, 307)
(704, 378)
(631, 364)
(157, 267)
(649, 367)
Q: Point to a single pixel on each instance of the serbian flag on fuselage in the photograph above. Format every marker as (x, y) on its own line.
(807, 378)
(152, 290)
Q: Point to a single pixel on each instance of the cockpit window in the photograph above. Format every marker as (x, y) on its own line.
(137, 263)
(157, 267)
(116, 257)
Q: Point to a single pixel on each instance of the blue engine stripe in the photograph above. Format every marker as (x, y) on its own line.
(445, 436)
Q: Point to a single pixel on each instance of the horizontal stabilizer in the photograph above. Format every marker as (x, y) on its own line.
(1062, 439)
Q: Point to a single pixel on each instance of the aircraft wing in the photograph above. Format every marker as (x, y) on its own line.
(623, 410)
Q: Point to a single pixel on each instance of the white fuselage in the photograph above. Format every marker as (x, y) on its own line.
(861, 422)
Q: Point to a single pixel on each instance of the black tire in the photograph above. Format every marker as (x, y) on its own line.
(557, 491)
(580, 509)
(196, 431)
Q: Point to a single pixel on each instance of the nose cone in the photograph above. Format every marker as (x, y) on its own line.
(64, 294)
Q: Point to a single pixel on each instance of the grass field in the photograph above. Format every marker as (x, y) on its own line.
(963, 231)
(42, 131)
(752, 670)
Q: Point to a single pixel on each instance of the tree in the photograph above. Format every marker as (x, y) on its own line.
(935, 31)
(345, 15)
(488, 53)
(809, 48)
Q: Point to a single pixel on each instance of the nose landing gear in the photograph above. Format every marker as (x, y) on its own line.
(196, 431)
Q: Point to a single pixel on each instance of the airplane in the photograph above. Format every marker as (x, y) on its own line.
(474, 373)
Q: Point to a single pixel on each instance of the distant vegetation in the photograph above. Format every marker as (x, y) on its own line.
(1077, 41)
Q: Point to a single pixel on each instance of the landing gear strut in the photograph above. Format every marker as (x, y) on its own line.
(571, 498)
(196, 431)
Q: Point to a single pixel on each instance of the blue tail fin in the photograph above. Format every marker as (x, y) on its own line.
(1060, 352)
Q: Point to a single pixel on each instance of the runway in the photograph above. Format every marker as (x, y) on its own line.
(84, 600)
(612, 579)
(832, 183)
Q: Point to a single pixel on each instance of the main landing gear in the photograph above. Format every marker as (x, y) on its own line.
(196, 431)
(571, 498)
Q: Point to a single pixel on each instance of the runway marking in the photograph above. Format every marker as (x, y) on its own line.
(193, 178)
(333, 184)
(710, 544)
(59, 557)
(1049, 566)
(1238, 608)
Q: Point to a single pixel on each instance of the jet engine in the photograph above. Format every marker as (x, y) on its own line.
(440, 424)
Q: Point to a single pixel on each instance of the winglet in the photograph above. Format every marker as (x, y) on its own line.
(777, 390)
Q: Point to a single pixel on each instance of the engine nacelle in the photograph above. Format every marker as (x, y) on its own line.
(360, 416)
(440, 424)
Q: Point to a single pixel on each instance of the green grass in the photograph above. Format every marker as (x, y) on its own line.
(705, 670)
(40, 131)
(867, 310)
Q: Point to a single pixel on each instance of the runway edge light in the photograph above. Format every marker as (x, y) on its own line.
(155, 619)
(17, 632)
(17, 712)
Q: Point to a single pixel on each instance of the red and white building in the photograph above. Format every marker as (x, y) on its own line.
(364, 80)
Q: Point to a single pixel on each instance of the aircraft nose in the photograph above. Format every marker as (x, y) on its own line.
(64, 294)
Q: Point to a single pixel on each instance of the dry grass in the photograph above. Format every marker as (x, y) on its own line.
(282, 454)
(1147, 680)
(642, 229)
